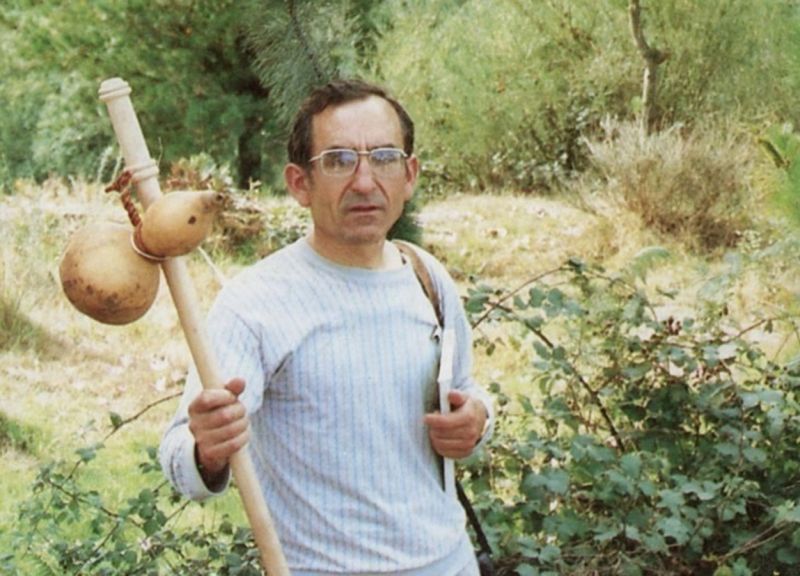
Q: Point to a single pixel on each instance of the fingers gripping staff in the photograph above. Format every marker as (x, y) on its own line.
(144, 171)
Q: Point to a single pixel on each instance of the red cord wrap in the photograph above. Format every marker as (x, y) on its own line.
(122, 184)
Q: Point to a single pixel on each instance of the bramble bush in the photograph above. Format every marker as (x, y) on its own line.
(647, 444)
(644, 443)
(67, 527)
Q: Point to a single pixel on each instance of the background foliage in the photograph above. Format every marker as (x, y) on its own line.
(504, 92)
(194, 88)
(645, 432)
(509, 90)
(659, 446)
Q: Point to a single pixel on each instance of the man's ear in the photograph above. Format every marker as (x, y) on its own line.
(412, 171)
(298, 182)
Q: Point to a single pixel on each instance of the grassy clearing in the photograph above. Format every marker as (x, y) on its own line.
(62, 374)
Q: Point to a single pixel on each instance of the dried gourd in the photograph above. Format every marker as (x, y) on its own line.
(105, 278)
(178, 222)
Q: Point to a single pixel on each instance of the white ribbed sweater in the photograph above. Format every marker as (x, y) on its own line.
(340, 365)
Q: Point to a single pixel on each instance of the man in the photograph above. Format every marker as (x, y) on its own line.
(330, 348)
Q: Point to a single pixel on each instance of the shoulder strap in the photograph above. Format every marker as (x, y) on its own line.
(425, 280)
(424, 277)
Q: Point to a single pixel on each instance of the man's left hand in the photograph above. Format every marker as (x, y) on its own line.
(454, 435)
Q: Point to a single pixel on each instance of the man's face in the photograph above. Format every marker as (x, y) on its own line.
(358, 209)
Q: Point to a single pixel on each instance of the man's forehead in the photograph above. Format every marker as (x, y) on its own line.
(370, 115)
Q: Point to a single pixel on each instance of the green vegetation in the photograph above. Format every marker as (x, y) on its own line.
(646, 419)
(504, 93)
(17, 330)
(201, 94)
(634, 296)
(509, 90)
(16, 436)
(645, 443)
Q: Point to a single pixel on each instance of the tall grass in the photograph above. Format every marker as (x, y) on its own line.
(691, 187)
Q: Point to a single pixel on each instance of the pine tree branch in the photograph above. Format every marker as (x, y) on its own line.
(304, 43)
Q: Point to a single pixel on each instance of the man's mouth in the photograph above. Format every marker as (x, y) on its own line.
(363, 208)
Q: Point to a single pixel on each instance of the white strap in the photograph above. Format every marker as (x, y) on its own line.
(445, 381)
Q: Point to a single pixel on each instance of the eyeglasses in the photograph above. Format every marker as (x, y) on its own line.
(384, 162)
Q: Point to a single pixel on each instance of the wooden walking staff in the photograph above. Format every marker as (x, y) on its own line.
(115, 93)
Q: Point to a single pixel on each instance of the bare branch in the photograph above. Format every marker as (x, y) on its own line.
(652, 59)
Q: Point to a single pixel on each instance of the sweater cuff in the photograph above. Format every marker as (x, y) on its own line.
(190, 481)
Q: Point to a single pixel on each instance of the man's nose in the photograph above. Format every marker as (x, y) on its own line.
(363, 177)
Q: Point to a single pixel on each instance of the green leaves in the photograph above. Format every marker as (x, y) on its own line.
(194, 88)
(65, 524)
(664, 441)
(116, 420)
(556, 481)
(646, 259)
(88, 453)
(674, 528)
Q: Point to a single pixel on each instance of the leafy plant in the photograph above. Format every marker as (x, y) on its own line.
(649, 443)
(644, 443)
(67, 527)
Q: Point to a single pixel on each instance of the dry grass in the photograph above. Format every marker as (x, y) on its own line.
(61, 374)
(694, 187)
(510, 238)
(505, 240)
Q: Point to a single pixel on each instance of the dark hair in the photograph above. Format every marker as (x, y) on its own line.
(335, 93)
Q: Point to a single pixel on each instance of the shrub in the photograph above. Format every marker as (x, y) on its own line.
(646, 443)
(67, 527)
(505, 92)
(691, 187)
(720, 65)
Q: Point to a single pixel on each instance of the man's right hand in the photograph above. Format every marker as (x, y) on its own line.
(219, 423)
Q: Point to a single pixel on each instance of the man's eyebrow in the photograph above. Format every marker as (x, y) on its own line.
(339, 147)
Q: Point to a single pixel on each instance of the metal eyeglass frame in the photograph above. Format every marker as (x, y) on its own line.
(359, 153)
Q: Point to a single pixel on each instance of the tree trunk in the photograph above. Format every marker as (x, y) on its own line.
(652, 59)
(250, 151)
(250, 145)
